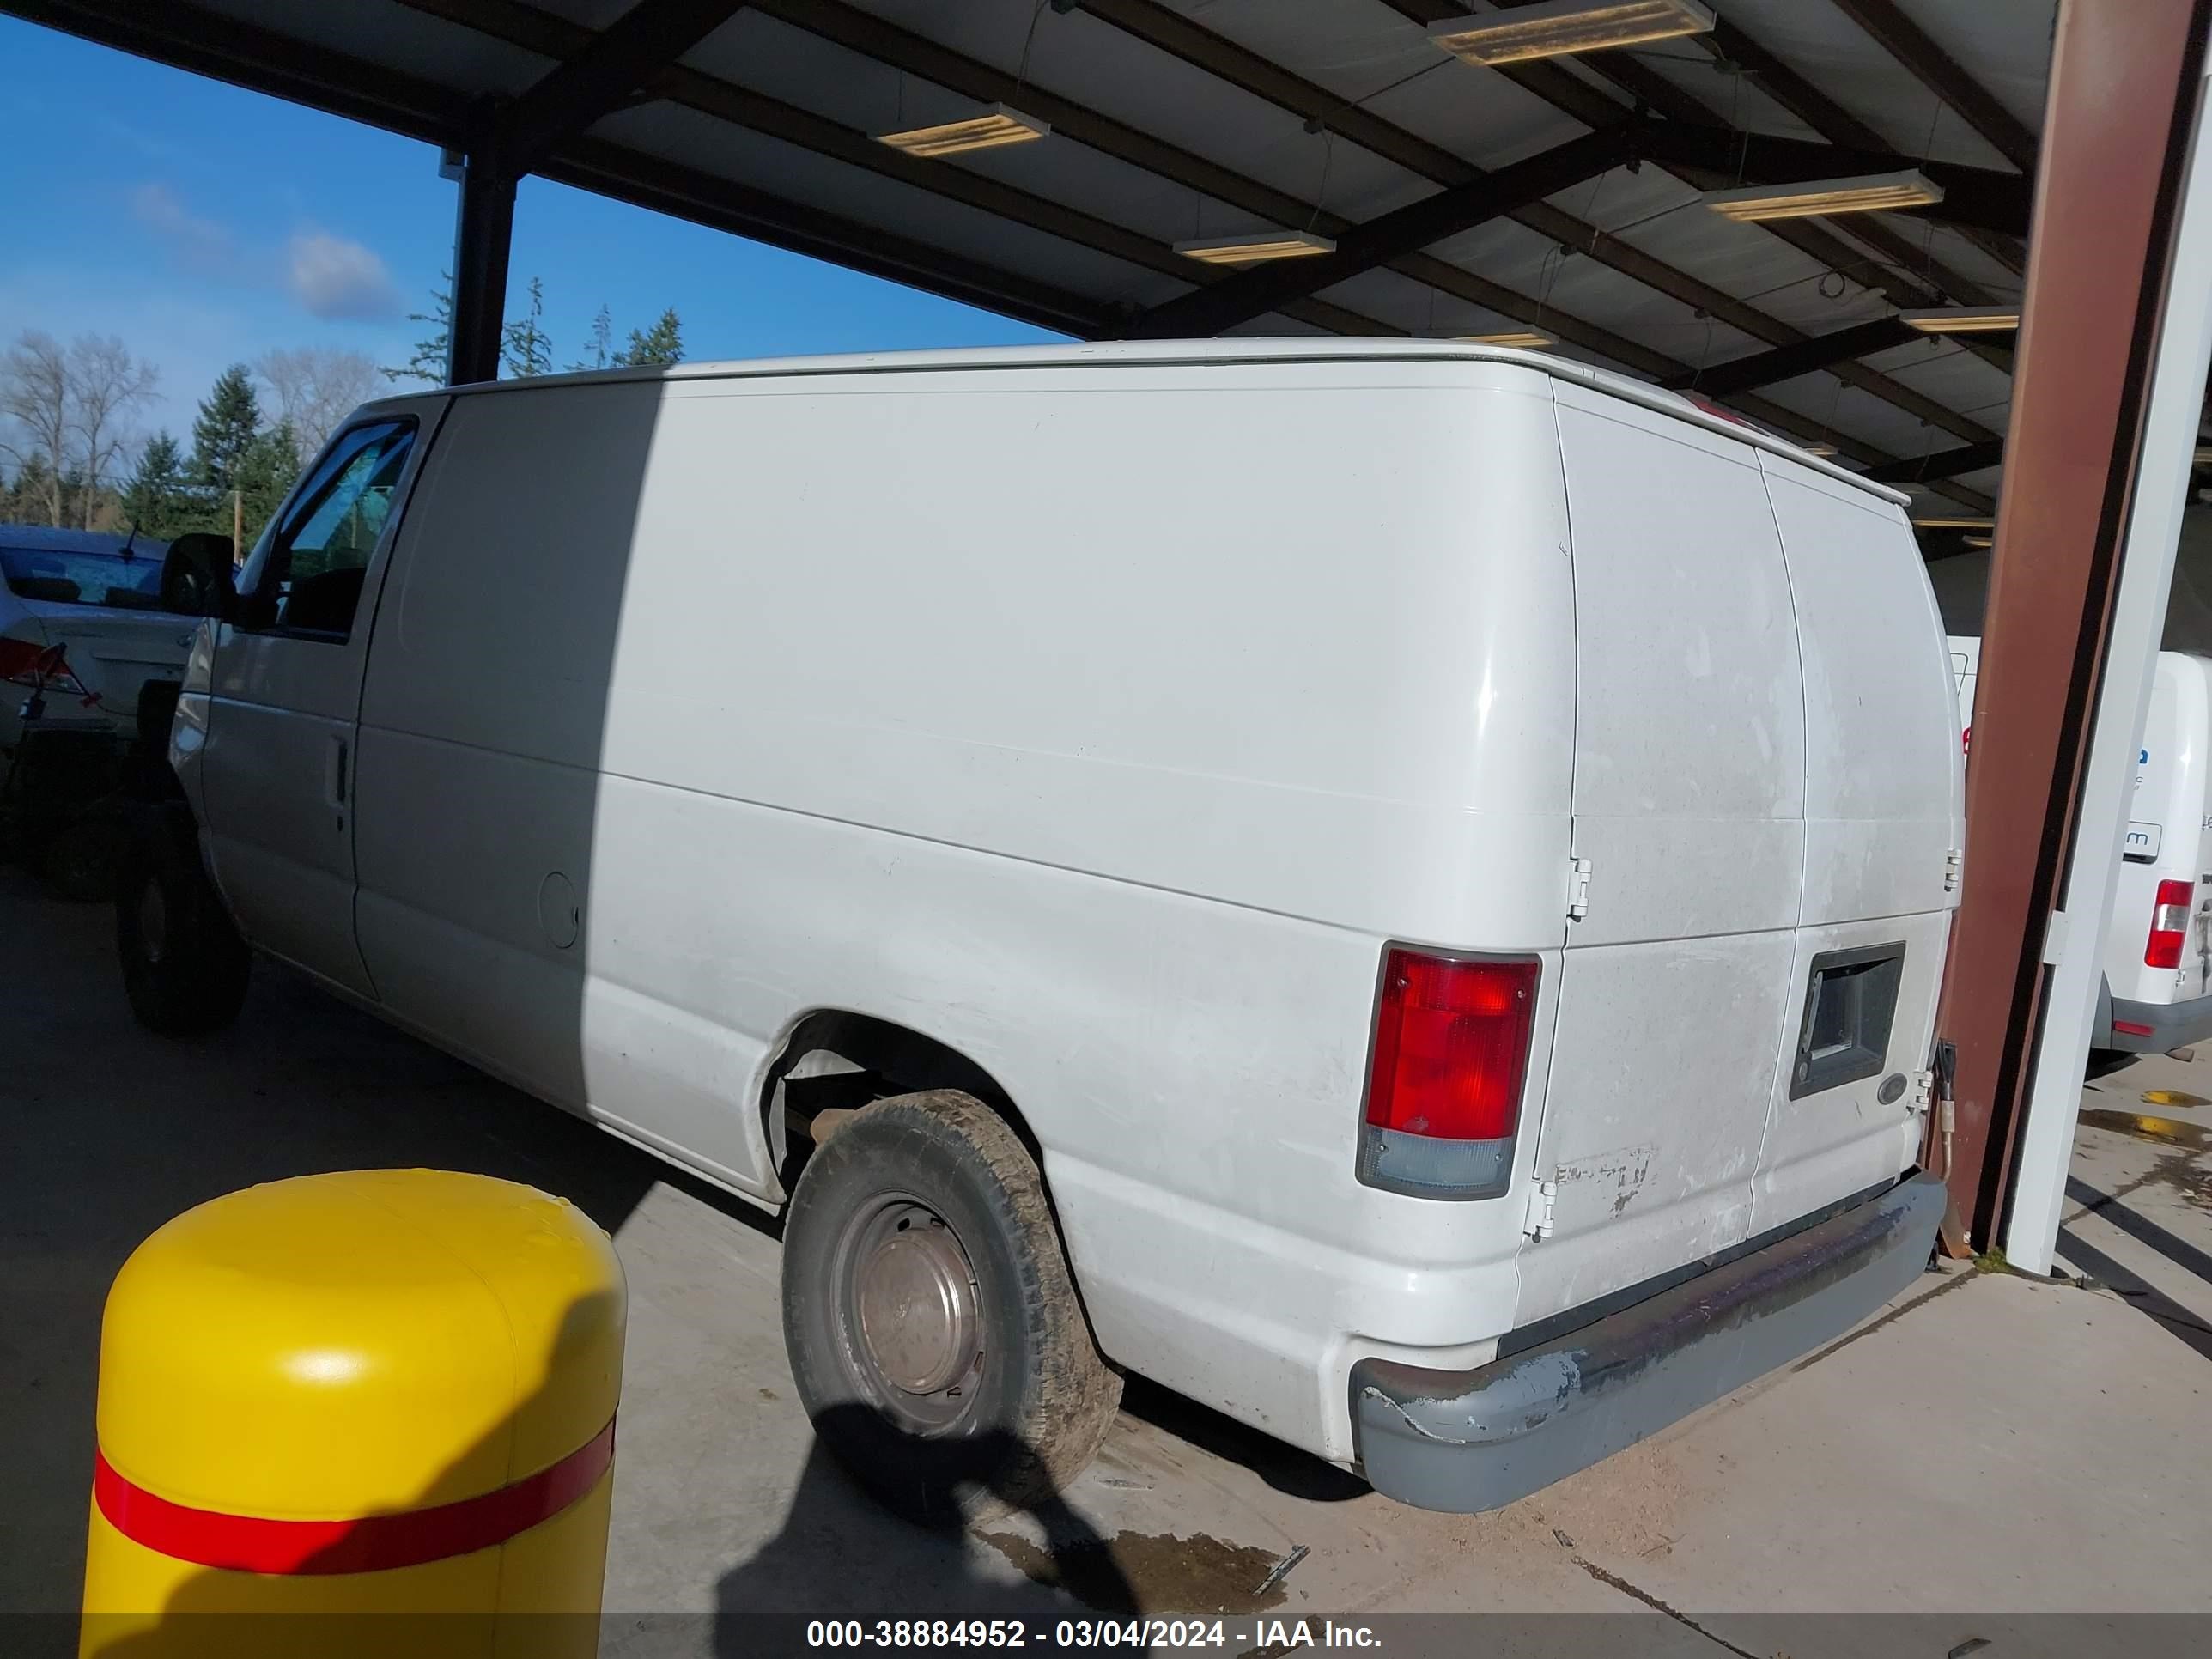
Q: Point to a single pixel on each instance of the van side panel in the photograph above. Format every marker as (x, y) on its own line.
(1688, 802)
(1884, 806)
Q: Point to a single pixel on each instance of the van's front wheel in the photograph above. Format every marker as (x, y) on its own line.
(932, 1326)
(184, 966)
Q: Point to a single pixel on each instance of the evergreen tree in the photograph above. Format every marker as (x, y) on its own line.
(598, 353)
(429, 361)
(661, 343)
(265, 472)
(30, 499)
(229, 416)
(159, 499)
(525, 348)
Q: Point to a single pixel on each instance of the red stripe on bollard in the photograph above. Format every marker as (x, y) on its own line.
(373, 1543)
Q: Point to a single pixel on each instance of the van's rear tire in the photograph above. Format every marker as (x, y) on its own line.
(184, 968)
(932, 1324)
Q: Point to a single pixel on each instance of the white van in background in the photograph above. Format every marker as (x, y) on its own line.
(1395, 888)
(2157, 991)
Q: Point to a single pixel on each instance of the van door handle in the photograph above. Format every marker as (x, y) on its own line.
(335, 783)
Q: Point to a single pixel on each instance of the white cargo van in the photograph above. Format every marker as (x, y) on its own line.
(1396, 889)
(2156, 993)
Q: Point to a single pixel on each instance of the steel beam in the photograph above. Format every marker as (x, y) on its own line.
(1403, 230)
(1943, 463)
(484, 232)
(1787, 362)
(617, 61)
(2122, 100)
(1937, 70)
(1567, 92)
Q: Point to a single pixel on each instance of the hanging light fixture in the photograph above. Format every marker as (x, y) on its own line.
(1560, 27)
(1255, 250)
(1523, 339)
(1954, 524)
(1961, 320)
(989, 128)
(1867, 193)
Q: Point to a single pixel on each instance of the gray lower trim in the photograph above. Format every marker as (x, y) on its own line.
(2171, 1024)
(1470, 1441)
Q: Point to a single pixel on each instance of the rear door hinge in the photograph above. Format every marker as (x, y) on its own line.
(1924, 1092)
(1541, 1199)
(1954, 867)
(1578, 879)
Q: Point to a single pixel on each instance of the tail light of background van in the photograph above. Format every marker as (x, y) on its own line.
(1444, 1074)
(2169, 924)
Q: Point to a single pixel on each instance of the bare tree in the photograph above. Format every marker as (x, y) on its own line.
(316, 387)
(35, 399)
(107, 387)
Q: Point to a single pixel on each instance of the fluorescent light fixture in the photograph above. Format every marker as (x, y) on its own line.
(1565, 26)
(995, 125)
(1820, 447)
(1956, 524)
(1253, 250)
(1864, 194)
(1523, 339)
(1961, 320)
(1980, 541)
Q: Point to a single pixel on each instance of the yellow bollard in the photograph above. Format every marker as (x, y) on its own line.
(391, 1392)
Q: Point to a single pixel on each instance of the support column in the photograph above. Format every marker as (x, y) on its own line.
(2046, 1148)
(483, 231)
(2119, 118)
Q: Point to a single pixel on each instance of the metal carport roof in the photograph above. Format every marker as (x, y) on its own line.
(1562, 195)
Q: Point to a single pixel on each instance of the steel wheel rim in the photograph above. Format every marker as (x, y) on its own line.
(910, 1314)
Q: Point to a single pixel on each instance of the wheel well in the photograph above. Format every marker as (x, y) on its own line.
(836, 1059)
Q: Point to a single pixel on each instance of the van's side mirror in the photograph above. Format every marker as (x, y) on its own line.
(196, 576)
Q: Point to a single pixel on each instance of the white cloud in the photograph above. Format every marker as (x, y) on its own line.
(338, 279)
(201, 245)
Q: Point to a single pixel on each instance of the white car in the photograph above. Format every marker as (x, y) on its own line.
(1397, 888)
(83, 624)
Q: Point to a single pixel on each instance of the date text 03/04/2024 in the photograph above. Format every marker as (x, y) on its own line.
(1280, 1634)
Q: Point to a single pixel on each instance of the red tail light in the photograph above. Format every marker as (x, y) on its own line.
(1443, 1085)
(2169, 924)
(27, 662)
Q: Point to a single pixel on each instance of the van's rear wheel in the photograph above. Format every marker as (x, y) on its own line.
(932, 1326)
(184, 966)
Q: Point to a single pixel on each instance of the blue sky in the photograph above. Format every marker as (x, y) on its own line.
(206, 225)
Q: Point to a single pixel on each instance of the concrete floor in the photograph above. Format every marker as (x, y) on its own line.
(1988, 1452)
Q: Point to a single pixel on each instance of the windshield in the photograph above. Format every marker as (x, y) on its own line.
(103, 578)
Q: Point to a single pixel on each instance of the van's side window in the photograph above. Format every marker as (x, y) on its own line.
(305, 576)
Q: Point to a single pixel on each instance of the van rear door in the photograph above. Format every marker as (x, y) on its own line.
(1883, 816)
(1688, 805)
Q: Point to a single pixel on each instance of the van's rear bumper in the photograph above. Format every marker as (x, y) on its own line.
(1468, 1441)
(2169, 1025)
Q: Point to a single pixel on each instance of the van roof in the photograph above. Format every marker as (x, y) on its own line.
(1076, 354)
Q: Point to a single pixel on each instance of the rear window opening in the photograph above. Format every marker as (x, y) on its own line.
(65, 578)
(1851, 997)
